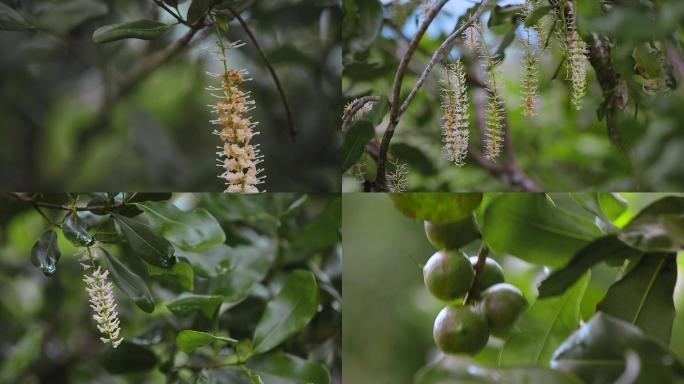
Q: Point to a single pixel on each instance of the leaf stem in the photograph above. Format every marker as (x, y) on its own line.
(479, 266)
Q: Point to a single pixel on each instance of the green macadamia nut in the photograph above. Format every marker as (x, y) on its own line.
(460, 329)
(491, 274)
(451, 235)
(448, 275)
(502, 304)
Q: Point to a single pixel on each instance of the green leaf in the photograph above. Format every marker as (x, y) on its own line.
(11, 20)
(295, 207)
(530, 227)
(604, 249)
(65, 15)
(362, 27)
(416, 159)
(187, 303)
(180, 275)
(129, 283)
(437, 206)
(657, 228)
(450, 369)
(75, 230)
(197, 10)
(544, 326)
(358, 135)
(140, 29)
(324, 230)
(26, 350)
(243, 208)
(283, 368)
(598, 353)
(128, 358)
(45, 253)
(537, 14)
(107, 232)
(189, 340)
(612, 204)
(644, 296)
(194, 230)
(151, 247)
(287, 313)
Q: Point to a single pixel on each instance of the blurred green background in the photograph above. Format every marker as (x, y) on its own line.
(560, 149)
(159, 136)
(388, 314)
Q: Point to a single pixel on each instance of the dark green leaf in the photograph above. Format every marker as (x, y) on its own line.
(24, 352)
(128, 282)
(657, 228)
(75, 230)
(130, 210)
(604, 249)
(282, 368)
(544, 326)
(45, 253)
(358, 135)
(363, 26)
(107, 232)
(151, 247)
(99, 200)
(644, 296)
(194, 230)
(197, 11)
(11, 20)
(128, 358)
(415, 158)
(529, 226)
(189, 340)
(438, 207)
(243, 208)
(287, 313)
(189, 303)
(324, 230)
(295, 207)
(140, 29)
(597, 353)
(65, 15)
(180, 275)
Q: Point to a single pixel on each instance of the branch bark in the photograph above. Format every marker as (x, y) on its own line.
(479, 265)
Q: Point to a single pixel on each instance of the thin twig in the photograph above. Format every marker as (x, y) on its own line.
(478, 267)
(37, 203)
(271, 70)
(170, 12)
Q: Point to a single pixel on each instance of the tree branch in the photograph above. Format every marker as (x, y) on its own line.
(478, 267)
(271, 70)
(36, 203)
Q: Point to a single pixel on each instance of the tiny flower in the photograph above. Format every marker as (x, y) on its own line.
(238, 156)
(104, 306)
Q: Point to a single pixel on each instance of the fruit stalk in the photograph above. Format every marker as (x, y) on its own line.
(481, 259)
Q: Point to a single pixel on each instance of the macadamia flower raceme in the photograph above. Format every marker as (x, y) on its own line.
(104, 306)
(238, 157)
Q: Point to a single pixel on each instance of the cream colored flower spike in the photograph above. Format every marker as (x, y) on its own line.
(455, 109)
(104, 306)
(238, 156)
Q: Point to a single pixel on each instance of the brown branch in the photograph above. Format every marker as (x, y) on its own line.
(478, 267)
(271, 70)
(36, 203)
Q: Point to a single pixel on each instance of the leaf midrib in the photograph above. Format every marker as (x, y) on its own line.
(278, 324)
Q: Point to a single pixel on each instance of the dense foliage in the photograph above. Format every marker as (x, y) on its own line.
(625, 55)
(602, 273)
(111, 95)
(207, 288)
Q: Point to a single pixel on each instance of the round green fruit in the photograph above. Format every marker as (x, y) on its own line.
(502, 304)
(448, 275)
(460, 329)
(491, 274)
(451, 235)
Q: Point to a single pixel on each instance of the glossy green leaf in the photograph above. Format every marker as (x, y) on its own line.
(45, 253)
(194, 230)
(357, 136)
(544, 326)
(107, 232)
(24, 352)
(11, 20)
(243, 208)
(530, 227)
(324, 230)
(605, 249)
(151, 247)
(128, 282)
(598, 353)
(643, 297)
(189, 340)
(282, 368)
(449, 370)
(140, 29)
(288, 312)
(197, 10)
(128, 358)
(612, 204)
(186, 304)
(75, 230)
(657, 228)
(179, 276)
(437, 206)
(130, 210)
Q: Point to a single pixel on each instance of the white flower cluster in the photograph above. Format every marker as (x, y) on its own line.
(104, 306)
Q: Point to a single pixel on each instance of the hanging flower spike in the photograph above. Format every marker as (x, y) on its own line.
(530, 80)
(455, 107)
(104, 307)
(237, 156)
(577, 59)
(495, 110)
